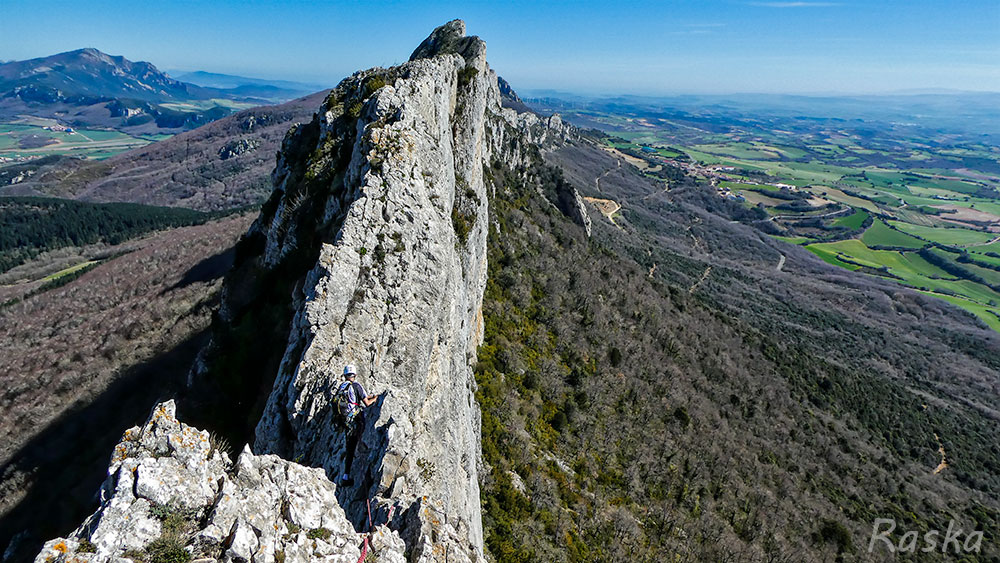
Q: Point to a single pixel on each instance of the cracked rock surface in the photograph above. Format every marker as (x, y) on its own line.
(167, 480)
(383, 197)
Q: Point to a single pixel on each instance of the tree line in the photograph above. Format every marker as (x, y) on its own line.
(32, 225)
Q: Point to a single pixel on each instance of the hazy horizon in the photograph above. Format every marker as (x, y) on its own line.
(718, 47)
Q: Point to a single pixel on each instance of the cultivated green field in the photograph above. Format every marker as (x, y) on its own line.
(853, 221)
(984, 248)
(986, 259)
(987, 314)
(913, 270)
(915, 197)
(69, 270)
(202, 105)
(739, 186)
(955, 235)
(29, 138)
(792, 240)
(879, 234)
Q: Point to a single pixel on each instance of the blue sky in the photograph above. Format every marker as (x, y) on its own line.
(652, 47)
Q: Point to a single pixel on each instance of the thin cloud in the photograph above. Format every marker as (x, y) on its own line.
(795, 4)
(697, 29)
(691, 32)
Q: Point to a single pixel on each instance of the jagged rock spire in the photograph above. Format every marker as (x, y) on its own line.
(375, 236)
(450, 39)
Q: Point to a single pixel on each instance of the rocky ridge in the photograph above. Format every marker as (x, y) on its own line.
(377, 226)
(169, 481)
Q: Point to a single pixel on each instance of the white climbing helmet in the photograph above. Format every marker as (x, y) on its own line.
(349, 369)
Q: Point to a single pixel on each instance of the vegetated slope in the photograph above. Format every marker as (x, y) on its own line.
(81, 363)
(660, 392)
(222, 165)
(34, 225)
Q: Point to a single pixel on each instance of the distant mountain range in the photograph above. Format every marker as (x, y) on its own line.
(250, 86)
(87, 75)
(87, 87)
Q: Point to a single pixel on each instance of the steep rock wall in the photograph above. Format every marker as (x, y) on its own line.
(396, 291)
(370, 251)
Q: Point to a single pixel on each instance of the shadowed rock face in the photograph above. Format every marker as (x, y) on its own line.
(377, 225)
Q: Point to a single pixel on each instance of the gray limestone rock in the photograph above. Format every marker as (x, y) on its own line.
(261, 509)
(398, 292)
(387, 185)
(450, 39)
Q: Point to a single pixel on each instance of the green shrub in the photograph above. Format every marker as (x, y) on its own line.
(559, 422)
(319, 534)
(371, 85)
(167, 550)
(466, 75)
(682, 416)
(462, 222)
(136, 555)
(834, 532)
(174, 519)
(615, 356)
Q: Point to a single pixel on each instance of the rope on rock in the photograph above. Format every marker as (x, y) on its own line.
(371, 530)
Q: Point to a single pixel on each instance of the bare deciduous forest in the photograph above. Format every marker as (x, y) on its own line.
(82, 362)
(707, 408)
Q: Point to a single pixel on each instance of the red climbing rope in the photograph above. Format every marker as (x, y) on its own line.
(364, 545)
(371, 530)
(364, 550)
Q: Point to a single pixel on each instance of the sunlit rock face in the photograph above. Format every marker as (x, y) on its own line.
(384, 194)
(397, 291)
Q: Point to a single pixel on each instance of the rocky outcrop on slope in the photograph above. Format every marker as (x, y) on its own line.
(373, 244)
(169, 485)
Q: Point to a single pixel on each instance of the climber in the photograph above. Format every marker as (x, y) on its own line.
(351, 401)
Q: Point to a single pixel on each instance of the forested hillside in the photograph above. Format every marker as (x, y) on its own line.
(34, 225)
(81, 362)
(660, 391)
(223, 165)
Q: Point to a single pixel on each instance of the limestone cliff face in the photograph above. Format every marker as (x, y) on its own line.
(396, 291)
(377, 230)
